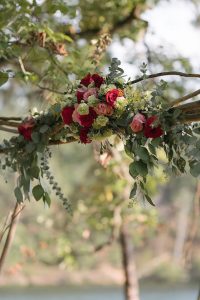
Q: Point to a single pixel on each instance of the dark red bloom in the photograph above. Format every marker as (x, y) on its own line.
(26, 129)
(84, 136)
(87, 120)
(87, 80)
(151, 131)
(67, 114)
(98, 80)
(111, 96)
(79, 94)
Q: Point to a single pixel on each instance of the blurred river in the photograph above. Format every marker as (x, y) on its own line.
(97, 293)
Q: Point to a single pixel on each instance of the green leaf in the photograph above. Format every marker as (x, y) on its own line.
(132, 170)
(47, 199)
(3, 78)
(142, 153)
(41, 148)
(44, 128)
(18, 194)
(38, 192)
(195, 170)
(141, 168)
(156, 142)
(35, 137)
(30, 147)
(149, 200)
(133, 191)
(35, 171)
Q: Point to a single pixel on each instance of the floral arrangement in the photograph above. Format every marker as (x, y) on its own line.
(93, 109)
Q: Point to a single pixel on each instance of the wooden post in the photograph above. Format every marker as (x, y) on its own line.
(11, 232)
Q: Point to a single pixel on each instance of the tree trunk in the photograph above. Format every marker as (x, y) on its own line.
(131, 287)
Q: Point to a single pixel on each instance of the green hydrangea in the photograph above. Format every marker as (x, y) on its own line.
(92, 101)
(105, 88)
(136, 98)
(100, 121)
(101, 135)
(121, 103)
(120, 81)
(83, 109)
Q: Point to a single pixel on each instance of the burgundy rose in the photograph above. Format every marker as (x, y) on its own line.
(98, 80)
(26, 129)
(151, 131)
(87, 120)
(84, 136)
(137, 123)
(87, 80)
(67, 114)
(111, 96)
(80, 92)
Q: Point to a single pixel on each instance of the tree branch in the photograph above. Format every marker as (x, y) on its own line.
(161, 74)
(2, 128)
(184, 98)
(49, 89)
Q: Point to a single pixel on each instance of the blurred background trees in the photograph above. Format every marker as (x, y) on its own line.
(44, 45)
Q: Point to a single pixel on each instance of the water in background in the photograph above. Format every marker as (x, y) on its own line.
(97, 293)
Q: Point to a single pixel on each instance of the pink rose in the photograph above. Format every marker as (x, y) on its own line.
(137, 123)
(75, 115)
(90, 92)
(104, 109)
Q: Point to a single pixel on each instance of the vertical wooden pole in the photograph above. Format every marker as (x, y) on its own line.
(10, 235)
(131, 287)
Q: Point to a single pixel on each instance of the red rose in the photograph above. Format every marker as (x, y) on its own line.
(67, 114)
(137, 123)
(98, 80)
(84, 136)
(150, 131)
(87, 120)
(111, 96)
(87, 80)
(26, 129)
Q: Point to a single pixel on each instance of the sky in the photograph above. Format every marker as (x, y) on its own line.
(170, 27)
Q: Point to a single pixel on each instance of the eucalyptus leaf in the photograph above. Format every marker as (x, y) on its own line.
(3, 78)
(18, 194)
(38, 192)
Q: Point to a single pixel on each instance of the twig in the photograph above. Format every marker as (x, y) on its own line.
(49, 89)
(2, 128)
(10, 118)
(9, 123)
(161, 74)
